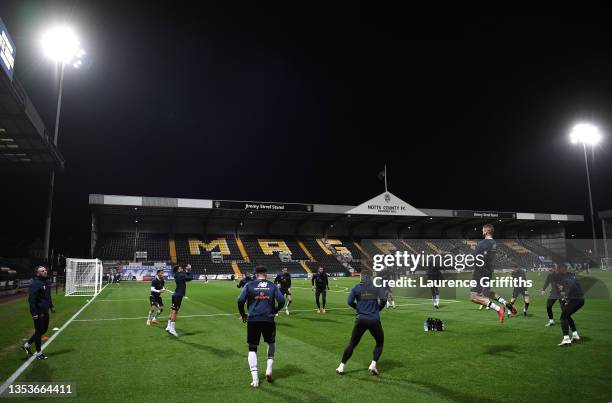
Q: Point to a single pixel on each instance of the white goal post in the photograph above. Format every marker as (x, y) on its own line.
(606, 263)
(83, 277)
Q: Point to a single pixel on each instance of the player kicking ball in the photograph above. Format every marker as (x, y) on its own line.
(483, 295)
(283, 281)
(181, 276)
(155, 299)
(264, 300)
(368, 300)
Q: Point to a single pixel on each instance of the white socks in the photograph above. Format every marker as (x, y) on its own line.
(373, 365)
(494, 306)
(393, 303)
(253, 366)
(340, 367)
(502, 301)
(269, 367)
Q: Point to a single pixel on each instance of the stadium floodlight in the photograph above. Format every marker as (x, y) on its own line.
(61, 45)
(587, 134)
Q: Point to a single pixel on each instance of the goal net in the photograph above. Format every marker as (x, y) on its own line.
(83, 277)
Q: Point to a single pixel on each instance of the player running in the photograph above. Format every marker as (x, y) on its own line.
(518, 274)
(368, 301)
(482, 295)
(155, 299)
(263, 300)
(388, 274)
(320, 281)
(181, 276)
(571, 293)
(283, 281)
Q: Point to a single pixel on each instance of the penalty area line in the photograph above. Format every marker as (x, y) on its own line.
(26, 364)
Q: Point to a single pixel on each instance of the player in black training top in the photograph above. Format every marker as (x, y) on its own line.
(181, 276)
(39, 298)
(518, 274)
(553, 296)
(480, 294)
(247, 277)
(283, 281)
(155, 300)
(571, 293)
(320, 282)
(368, 300)
(435, 274)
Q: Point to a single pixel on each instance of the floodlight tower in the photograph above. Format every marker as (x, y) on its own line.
(61, 45)
(587, 134)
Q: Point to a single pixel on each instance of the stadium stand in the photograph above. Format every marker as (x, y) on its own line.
(197, 251)
(115, 246)
(266, 251)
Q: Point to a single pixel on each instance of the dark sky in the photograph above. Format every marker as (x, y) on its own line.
(305, 103)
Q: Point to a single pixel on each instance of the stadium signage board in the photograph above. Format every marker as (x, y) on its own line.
(483, 214)
(386, 204)
(7, 51)
(261, 206)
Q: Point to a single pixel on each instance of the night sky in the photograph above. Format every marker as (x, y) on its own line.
(306, 103)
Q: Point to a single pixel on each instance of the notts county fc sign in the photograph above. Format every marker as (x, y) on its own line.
(386, 204)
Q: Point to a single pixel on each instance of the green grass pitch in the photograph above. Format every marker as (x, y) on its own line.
(111, 355)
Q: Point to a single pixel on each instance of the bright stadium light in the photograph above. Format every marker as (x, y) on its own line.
(585, 133)
(61, 45)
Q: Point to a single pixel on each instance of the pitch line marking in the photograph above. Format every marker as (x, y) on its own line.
(229, 314)
(26, 364)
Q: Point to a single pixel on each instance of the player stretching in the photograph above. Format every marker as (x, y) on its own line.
(368, 301)
(518, 274)
(155, 299)
(283, 280)
(181, 276)
(482, 295)
(320, 280)
(553, 297)
(570, 292)
(263, 300)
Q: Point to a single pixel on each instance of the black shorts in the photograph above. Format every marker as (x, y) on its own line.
(478, 275)
(176, 302)
(285, 291)
(156, 299)
(520, 291)
(256, 329)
